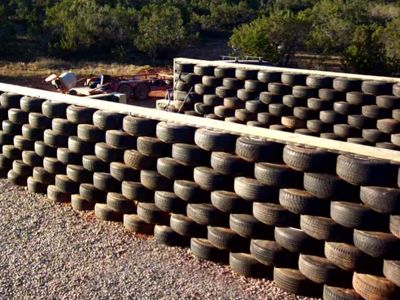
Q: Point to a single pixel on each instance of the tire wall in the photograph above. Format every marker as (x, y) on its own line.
(309, 219)
(364, 111)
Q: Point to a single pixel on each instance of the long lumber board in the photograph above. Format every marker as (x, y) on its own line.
(287, 70)
(233, 128)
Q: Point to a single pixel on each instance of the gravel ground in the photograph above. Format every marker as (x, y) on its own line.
(50, 251)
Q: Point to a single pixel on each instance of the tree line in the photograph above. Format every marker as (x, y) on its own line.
(365, 34)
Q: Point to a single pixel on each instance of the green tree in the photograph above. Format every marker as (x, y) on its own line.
(6, 31)
(390, 38)
(78, 26)
(160, 30)
(275, 37)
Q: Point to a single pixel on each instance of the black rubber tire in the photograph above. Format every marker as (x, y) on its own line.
(172, 169)
(44, 150)
(120, 139)
(319, 81)
(10, 100)
(17, 116)
(210, 180)
(138, 161)
(169, 202)
(270, 253)
(355, 215)
(79, 174)
(203, 249)
(31, 133)
(375, 287)
(246, 265)
(305, 113)
(277, 88)
(339, 293)
(325, 229)
(224, 92)
(255, 106)
(11, 152)
(305, 92)
(201, 89)
(211, 140)
(229, 164)
(154, 181)
(279, 175)
(107, 153)
(230, 202)
(223, 112)
(269, 76)
(319, 104)
(244, 115)
(389, 126)
(92, 194)
(375, 112)
(78, 203)
(94, 164)
(190, 191)
(106, 120)
(274, 214)
(39, 121)
(80, 114)
(376, 88)
(245, 74)
(139, 126)
(119, 203)
(16, 179)
(292, 281)
(258, 150)
(153, 147)
(309, 160)
(76, 145)
(185, 226)
(297, 241)
(381, 199)
(331, 117)
(203, 70)
(268, 98)
(174, 133)
(377, 244)
(134, 223)
(68, 157)
(23, 143)
(6, 139)
(328, 186)
(223, 72)
(391, 270)
(247, 226)
(346, 84)
(226, 239)
(212, 100)
(388, 102)
(364, 171)
(330, 95)
(32, 159)
(21, 169)
(246, 95)
(279, 110)
(55, 195)
(346, 131)
(136, 191)
(55, 140)
(43, 176)
(66, 185)
(374, 136)
(251, 189)
(54, 166)
(394, 225)
(105, 182)
(206, 214)
(190, 155)
(267, 119)
(63, 127)
(345, 108)
(302, 202)
(105, 213)
(54, 109)
(184, 67)
(122, 172)
(165, 235)
(321, 270)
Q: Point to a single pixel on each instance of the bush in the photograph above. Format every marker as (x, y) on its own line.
(161, 30)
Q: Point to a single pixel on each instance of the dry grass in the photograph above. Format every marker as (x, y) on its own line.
(46, 66)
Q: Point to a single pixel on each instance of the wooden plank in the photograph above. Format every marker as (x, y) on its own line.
(237, 129)
(287, 70)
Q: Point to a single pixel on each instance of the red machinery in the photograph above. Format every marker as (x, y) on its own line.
(138, 87)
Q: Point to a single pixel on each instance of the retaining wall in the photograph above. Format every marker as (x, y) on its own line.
(315, 221)
(347, 107)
